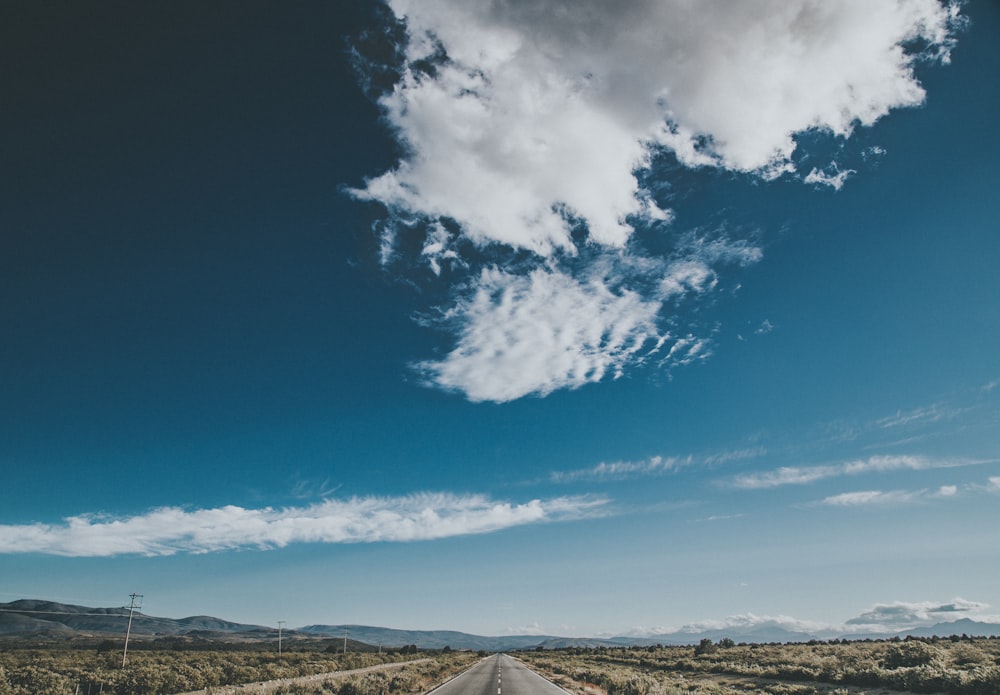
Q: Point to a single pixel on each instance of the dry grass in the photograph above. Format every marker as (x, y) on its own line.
(959, 667)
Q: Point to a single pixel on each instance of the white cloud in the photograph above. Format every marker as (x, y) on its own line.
(734, 455)
(901, 614)
(882, 617)
(764, 328)
(550, 104)
(687, 275)
(786, 475)
(867, 498)
(171, 530)
(534, 628)
(749, 621)
(525, 123)
(894, 497)
(792, 475)
(873, 152)
(919, 416)
(719, 517)
(883, 464)
(438, 248)
(524, 334)
(654, 465)
(833, 176)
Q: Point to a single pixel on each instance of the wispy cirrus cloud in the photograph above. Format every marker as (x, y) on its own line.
(531, 133)
(802, 475)
(869, 498)
(654, 465)
(887, 498)
(172, 530)
(651, 466)
(936, 412)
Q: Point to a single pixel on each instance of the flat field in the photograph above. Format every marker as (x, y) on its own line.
(959, 666)
(62, 671)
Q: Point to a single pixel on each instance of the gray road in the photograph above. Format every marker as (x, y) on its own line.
(499, 675)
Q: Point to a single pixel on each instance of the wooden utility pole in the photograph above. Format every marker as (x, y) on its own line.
(128, 630)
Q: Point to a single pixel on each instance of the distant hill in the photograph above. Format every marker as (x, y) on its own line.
(965, 626)
(32, 618)
(584, 642)
(49, 620)
(760, 634)
(425, 639)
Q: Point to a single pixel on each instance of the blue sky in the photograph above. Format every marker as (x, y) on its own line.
(503, 319)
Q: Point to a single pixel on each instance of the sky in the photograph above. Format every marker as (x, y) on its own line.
(571, 318)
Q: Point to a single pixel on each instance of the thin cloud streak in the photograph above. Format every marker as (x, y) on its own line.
(793, 475)
(655, 465)
(172, 530)
(867, 498)
(875, 498)
(920, 416)
(651, 466)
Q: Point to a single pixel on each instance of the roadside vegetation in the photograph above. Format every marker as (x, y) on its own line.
(957, 666)
(70, 671)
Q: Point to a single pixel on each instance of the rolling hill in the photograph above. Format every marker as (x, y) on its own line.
(36, 619)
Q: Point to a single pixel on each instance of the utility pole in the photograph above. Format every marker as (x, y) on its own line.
(345, 640)
(280, 623)
(128, 630)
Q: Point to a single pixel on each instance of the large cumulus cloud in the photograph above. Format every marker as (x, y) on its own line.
(525, 125)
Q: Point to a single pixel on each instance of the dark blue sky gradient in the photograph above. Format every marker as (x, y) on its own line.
(193, 314)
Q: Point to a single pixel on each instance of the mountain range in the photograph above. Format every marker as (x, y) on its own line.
(36, 619)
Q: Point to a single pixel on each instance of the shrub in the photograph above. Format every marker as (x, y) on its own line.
(909, 654)
(706, 646)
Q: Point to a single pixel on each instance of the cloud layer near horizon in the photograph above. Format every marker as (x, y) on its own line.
(172, 530)
(882, 617)
(525, 124)
(903, 614)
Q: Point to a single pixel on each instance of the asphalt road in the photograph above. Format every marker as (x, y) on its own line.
(499, 675)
